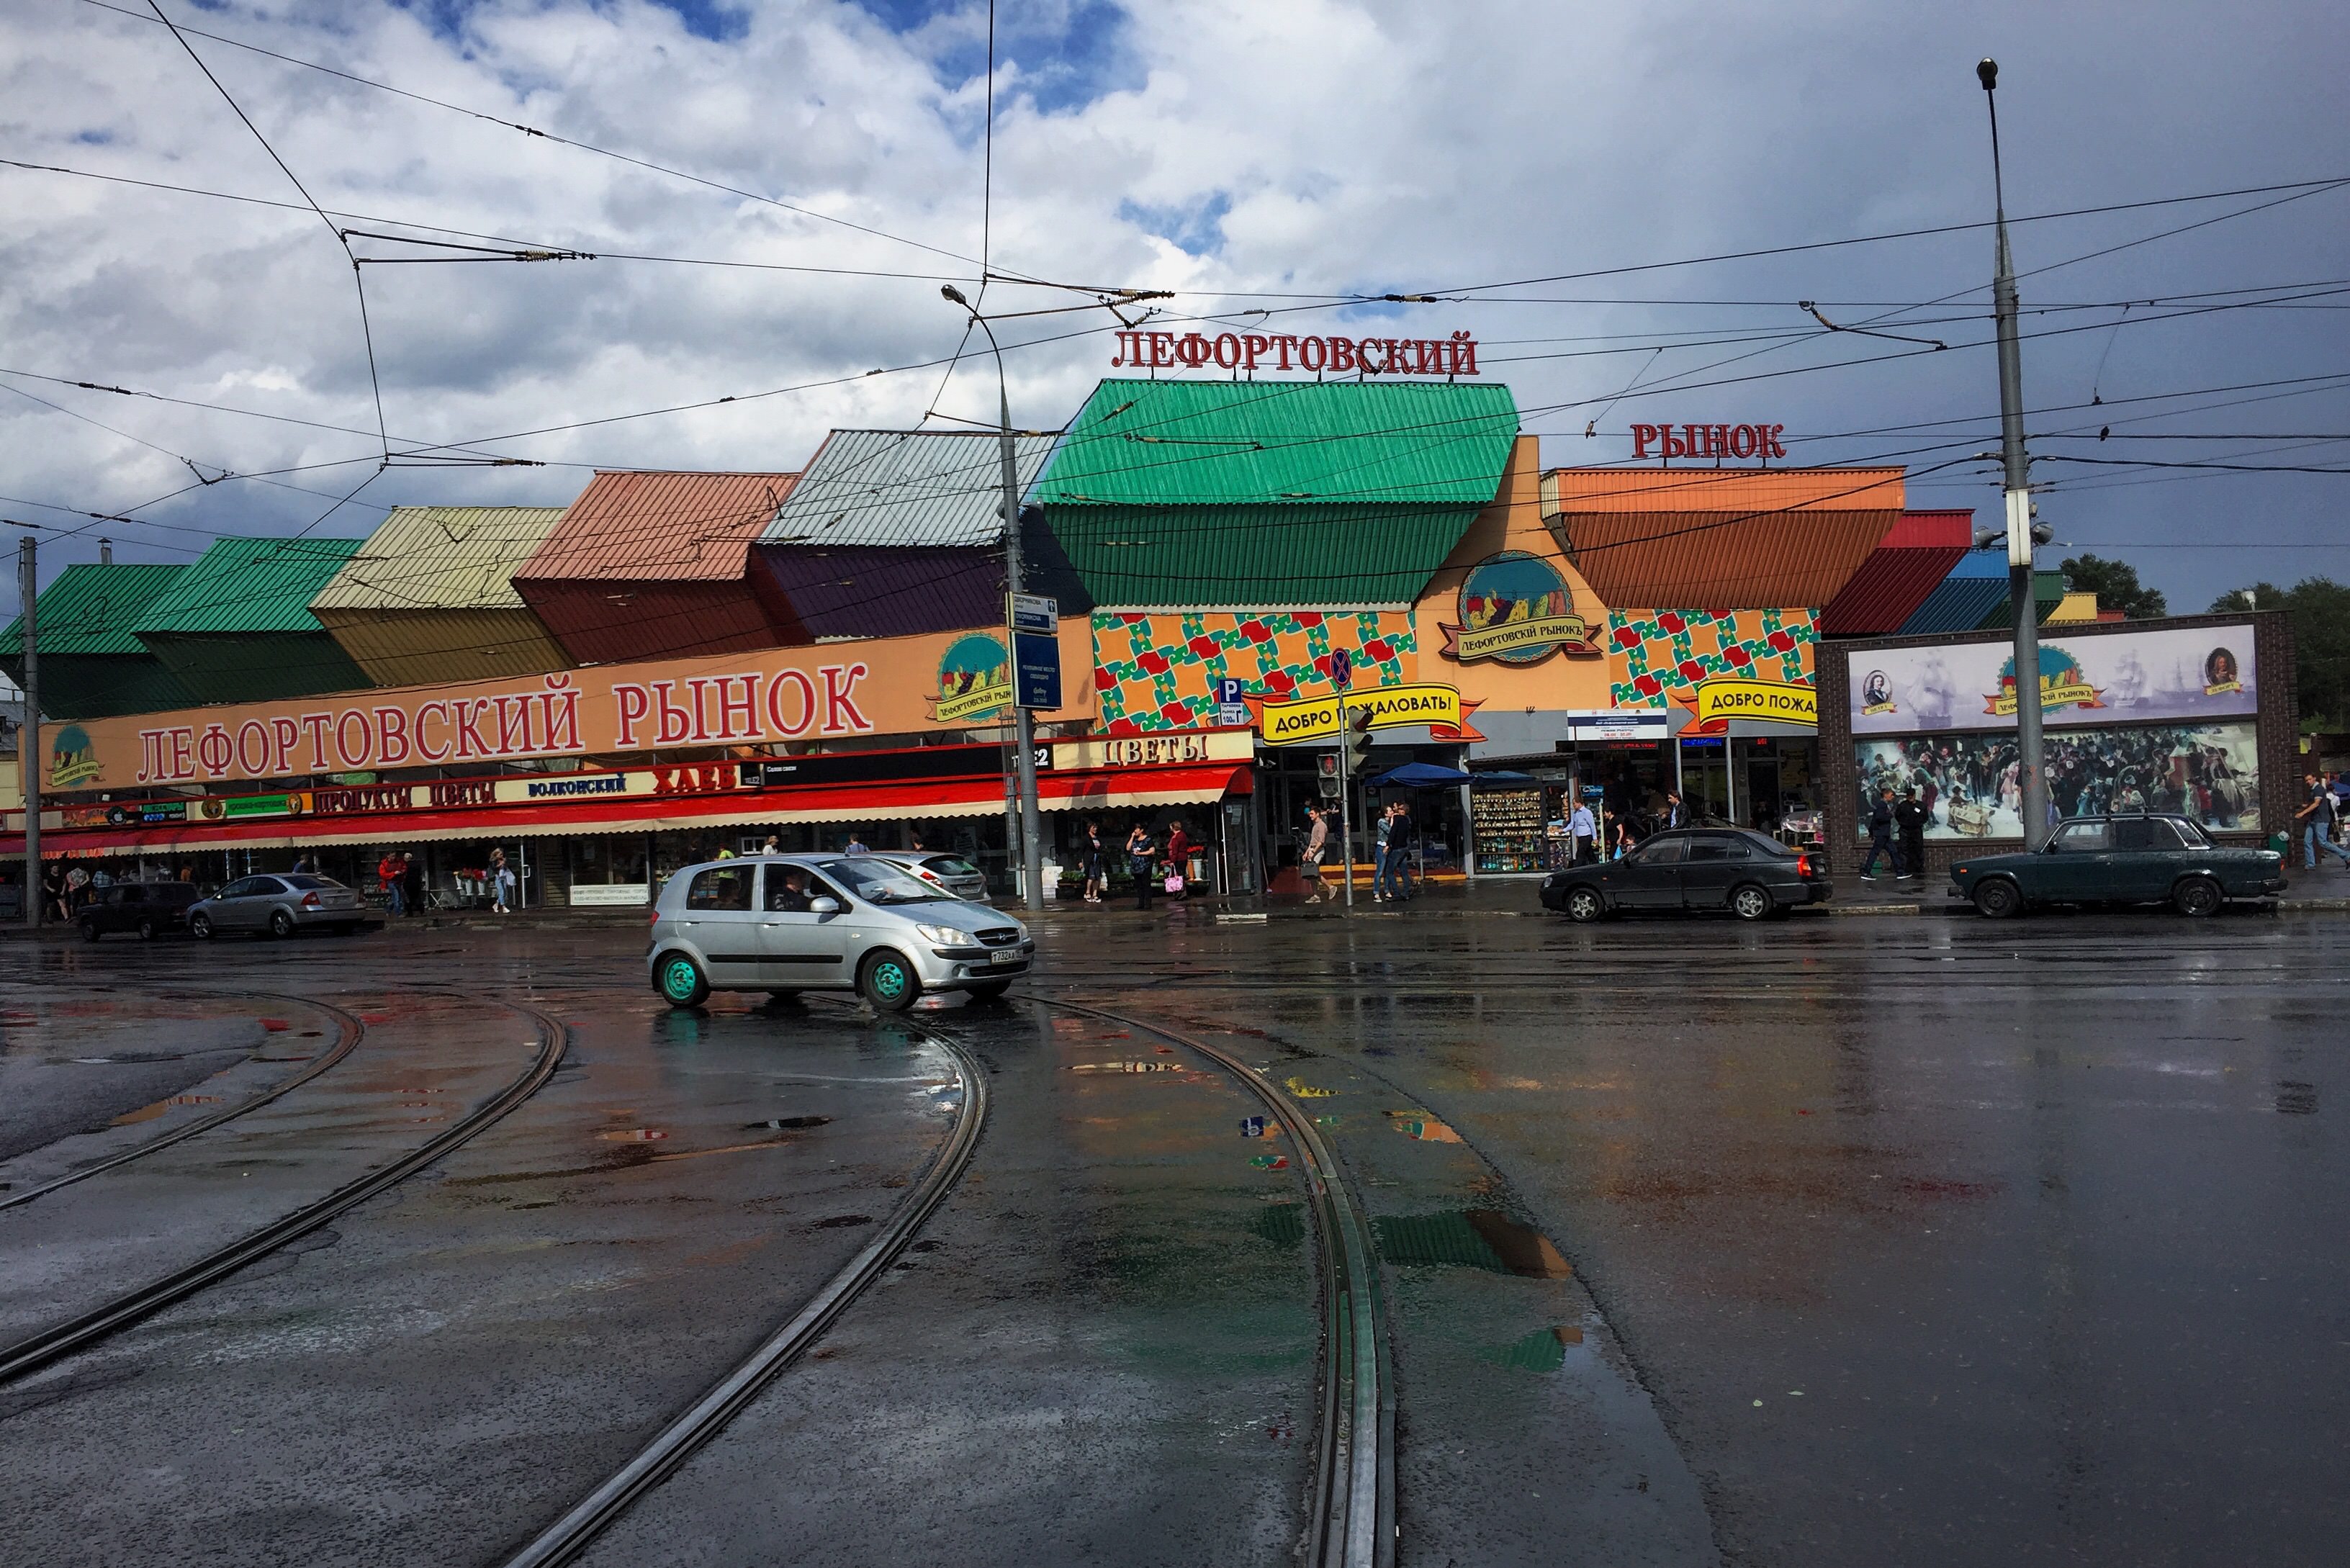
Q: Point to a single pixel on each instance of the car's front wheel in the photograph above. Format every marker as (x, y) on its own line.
(281, 924)
(146, 930)
(200, 926)
(1584, 905)
(680, 982)
(1750, 902)
(889, 982)
(2197, 898)
(89, 932)
(1999, 899)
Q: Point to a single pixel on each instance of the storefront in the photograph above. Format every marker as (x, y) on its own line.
(2193, 716)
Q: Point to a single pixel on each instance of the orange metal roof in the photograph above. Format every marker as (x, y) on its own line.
(1720, 538)
(660, 527)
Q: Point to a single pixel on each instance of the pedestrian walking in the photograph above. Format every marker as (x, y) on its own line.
(1910, 818)
(1399, 834)
(411, 883)
(1096, 855)
(2316, 823)
(1309, 858)
(1379, 831)
(772, 847)
(390, 879)
(53, 891)
(1676, 812)
(1584, 831)
(1141, 857)
(501, 878)
(856, 844)
(1179, 852)
(1880, 836)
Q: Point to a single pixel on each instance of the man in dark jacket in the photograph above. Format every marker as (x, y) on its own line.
(1880, 836)
(1910, 816)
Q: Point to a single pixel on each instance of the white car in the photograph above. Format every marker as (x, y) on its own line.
(950, 873)
(788, 923)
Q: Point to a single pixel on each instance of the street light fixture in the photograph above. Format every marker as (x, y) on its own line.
(2016, 469)
(1031, 833)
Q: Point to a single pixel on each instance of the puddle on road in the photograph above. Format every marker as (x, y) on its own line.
(1419, 1124)
(1283, 1224)
(1544, 1350)
(840, 1221)
(780, 1123)
(1305, 1091)
(1469, 1239)
(2295, 1099)
(149, 1113)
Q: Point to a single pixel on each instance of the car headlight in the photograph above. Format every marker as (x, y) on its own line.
(944, 935)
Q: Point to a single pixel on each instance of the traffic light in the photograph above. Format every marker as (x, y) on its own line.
(1355, 744)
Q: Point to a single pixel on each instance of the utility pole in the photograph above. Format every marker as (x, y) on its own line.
(1031, 827)
(1346, 787)
(28, 734)
(2031, 769)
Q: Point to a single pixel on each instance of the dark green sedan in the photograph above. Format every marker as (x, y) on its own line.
(2135, 859)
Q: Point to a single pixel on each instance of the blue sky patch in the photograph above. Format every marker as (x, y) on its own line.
(716, 20)
(1069, 53)
(1196, 229)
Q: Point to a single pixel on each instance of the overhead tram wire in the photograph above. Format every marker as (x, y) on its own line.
(548, 135)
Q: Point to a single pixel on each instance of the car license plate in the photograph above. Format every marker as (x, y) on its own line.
(1004, 955)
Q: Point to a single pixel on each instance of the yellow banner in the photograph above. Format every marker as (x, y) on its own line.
(1391, 708)
(1570, 631)
(1777, 701)
(2052, 694)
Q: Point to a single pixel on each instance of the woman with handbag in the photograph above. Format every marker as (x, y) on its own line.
(1141, 851)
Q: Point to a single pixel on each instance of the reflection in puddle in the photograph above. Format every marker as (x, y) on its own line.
(1469, 1239)
(1305, 1091)
(1283, 1224)
(149, 1113)
(782, 1122)
(633, 1134)
(1421, 1125)
(1544, 1350)
(1126, 1067)
(1269, 1161)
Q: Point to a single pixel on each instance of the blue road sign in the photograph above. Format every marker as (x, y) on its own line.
(1342, 668)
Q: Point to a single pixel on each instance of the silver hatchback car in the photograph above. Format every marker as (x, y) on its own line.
(951, 874)
(785, 924)
(279, 905)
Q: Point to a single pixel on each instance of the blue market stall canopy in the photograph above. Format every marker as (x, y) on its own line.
(1422, 775)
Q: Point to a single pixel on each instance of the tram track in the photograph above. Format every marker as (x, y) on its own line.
(77, 1333)
(568, 1537)
(1351, 1521)
(349, 1031)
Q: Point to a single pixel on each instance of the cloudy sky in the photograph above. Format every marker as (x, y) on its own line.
(820, 172)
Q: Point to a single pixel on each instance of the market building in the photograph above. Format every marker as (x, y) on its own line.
(92, 663)
(430, 596)
(237, 626)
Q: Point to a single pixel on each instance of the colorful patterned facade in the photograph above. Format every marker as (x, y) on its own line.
(1159, 671)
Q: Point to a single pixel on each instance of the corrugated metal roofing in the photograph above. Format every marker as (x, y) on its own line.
(1271, 493)
(877, 592)
(242, 584)
(659, 528)
(2075, 605)
(237, 626)
(1206, 443)
(93, 665)
(2047, 593)
(442, 557)
(904, 488)
(1720, 538)
(1971, 589)
(1906, 565)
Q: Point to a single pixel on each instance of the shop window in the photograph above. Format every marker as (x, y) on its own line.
(721, 888)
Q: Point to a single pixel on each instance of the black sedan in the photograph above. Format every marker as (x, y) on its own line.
(2130, 859)
(1702, 868)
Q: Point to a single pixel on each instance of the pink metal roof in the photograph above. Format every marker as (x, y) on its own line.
(659, 527)
(1916, 553)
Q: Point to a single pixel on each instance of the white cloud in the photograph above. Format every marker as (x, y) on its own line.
(1342, 145)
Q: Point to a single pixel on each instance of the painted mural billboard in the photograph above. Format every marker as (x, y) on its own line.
(2170, 674)
(1967, 782)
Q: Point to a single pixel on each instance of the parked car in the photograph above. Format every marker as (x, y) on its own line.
(1750, 874)
(279, 905)
(150, 909)
(785, 924)
(951, 874)
(2130, 859)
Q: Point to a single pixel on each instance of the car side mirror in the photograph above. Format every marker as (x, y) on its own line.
(824, 906)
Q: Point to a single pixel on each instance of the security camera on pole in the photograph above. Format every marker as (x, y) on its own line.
(2022, 533)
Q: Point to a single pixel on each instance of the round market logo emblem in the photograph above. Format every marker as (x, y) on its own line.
(1514, 608)
(73, 758)
(2062, 685)
(974, 680)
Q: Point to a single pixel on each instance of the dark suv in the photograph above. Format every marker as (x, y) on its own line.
(151, 909)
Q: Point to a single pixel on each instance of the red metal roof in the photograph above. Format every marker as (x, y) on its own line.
(659, 527)
(650, 565)
(1917, 553)
(1720, 538)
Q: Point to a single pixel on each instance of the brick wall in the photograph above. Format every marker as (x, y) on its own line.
(2276, 725)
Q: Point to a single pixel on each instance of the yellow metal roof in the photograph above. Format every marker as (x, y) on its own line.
(2075, 605)
(442, 557)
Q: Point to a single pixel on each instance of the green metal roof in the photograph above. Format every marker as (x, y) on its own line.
(1204, 443)
(246, 586)
(1273, 493)
(93, 609)
(2047, 593)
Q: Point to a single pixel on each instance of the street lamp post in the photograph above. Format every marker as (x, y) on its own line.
(2017, 484)
(1024, 723)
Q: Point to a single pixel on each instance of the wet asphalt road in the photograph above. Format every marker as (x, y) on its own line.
(1840, 1240)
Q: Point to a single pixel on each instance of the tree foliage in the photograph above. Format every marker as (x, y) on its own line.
(2320, 609)
(2117, 587)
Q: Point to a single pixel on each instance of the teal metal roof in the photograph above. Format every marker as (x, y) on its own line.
(249, 585)
(1204, 443)
(93, 609)
(1273, 493)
